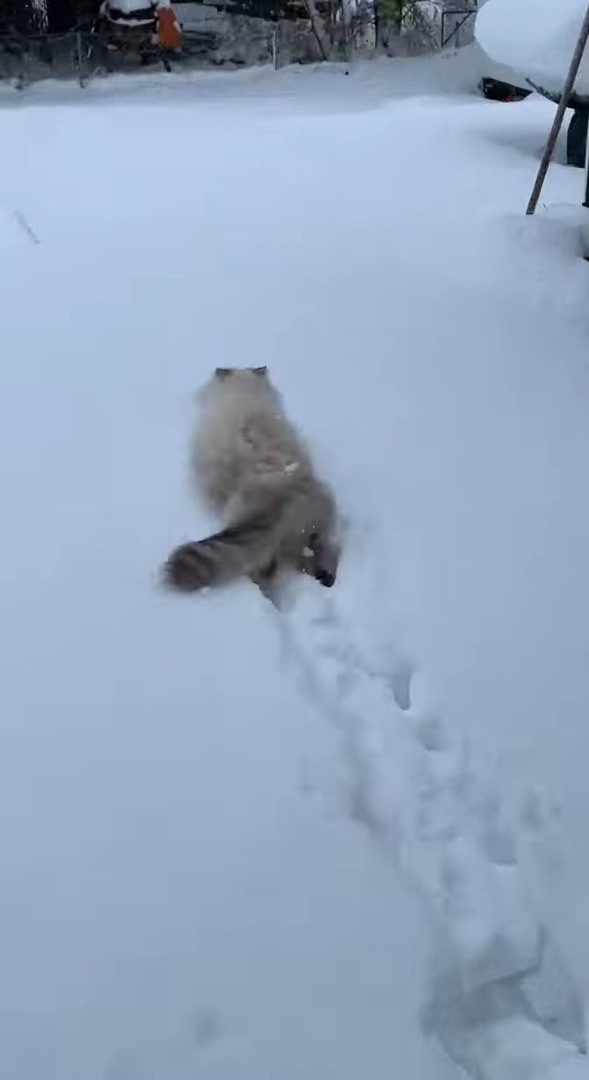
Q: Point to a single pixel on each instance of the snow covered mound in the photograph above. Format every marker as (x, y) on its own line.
(534, 37)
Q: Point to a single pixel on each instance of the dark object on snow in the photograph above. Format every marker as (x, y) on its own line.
(577, 138)
(577, 133)
(496, 90)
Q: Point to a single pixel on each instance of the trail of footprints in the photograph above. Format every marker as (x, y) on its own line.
(416, 790)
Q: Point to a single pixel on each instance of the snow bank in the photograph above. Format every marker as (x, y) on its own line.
(534, 37)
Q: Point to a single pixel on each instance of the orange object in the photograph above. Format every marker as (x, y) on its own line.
(168, 29)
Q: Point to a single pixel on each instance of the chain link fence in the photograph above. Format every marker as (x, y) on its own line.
(64, 39)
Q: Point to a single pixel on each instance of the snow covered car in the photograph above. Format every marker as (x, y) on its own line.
(498, 90)
(529, 44)
(501, 83)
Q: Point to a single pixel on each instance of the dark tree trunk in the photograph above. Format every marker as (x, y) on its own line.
(61, 15)
(21, 17)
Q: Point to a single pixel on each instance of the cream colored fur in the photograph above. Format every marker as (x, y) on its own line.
(254, 471)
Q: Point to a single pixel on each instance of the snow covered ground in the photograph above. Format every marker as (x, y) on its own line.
(349, 841)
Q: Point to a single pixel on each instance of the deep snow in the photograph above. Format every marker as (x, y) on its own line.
(334, 842)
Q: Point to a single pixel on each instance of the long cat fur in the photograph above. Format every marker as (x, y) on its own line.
(255, 473)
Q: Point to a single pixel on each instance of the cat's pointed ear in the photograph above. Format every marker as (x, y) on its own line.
(260, 370)
(223, 372)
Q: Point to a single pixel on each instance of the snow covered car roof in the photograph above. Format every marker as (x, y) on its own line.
(536, 38)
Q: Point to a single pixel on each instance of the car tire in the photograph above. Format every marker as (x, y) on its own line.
(577, 138)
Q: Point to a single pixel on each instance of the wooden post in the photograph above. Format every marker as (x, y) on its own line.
(558, 119)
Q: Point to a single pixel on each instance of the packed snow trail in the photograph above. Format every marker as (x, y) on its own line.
(501, 1002)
